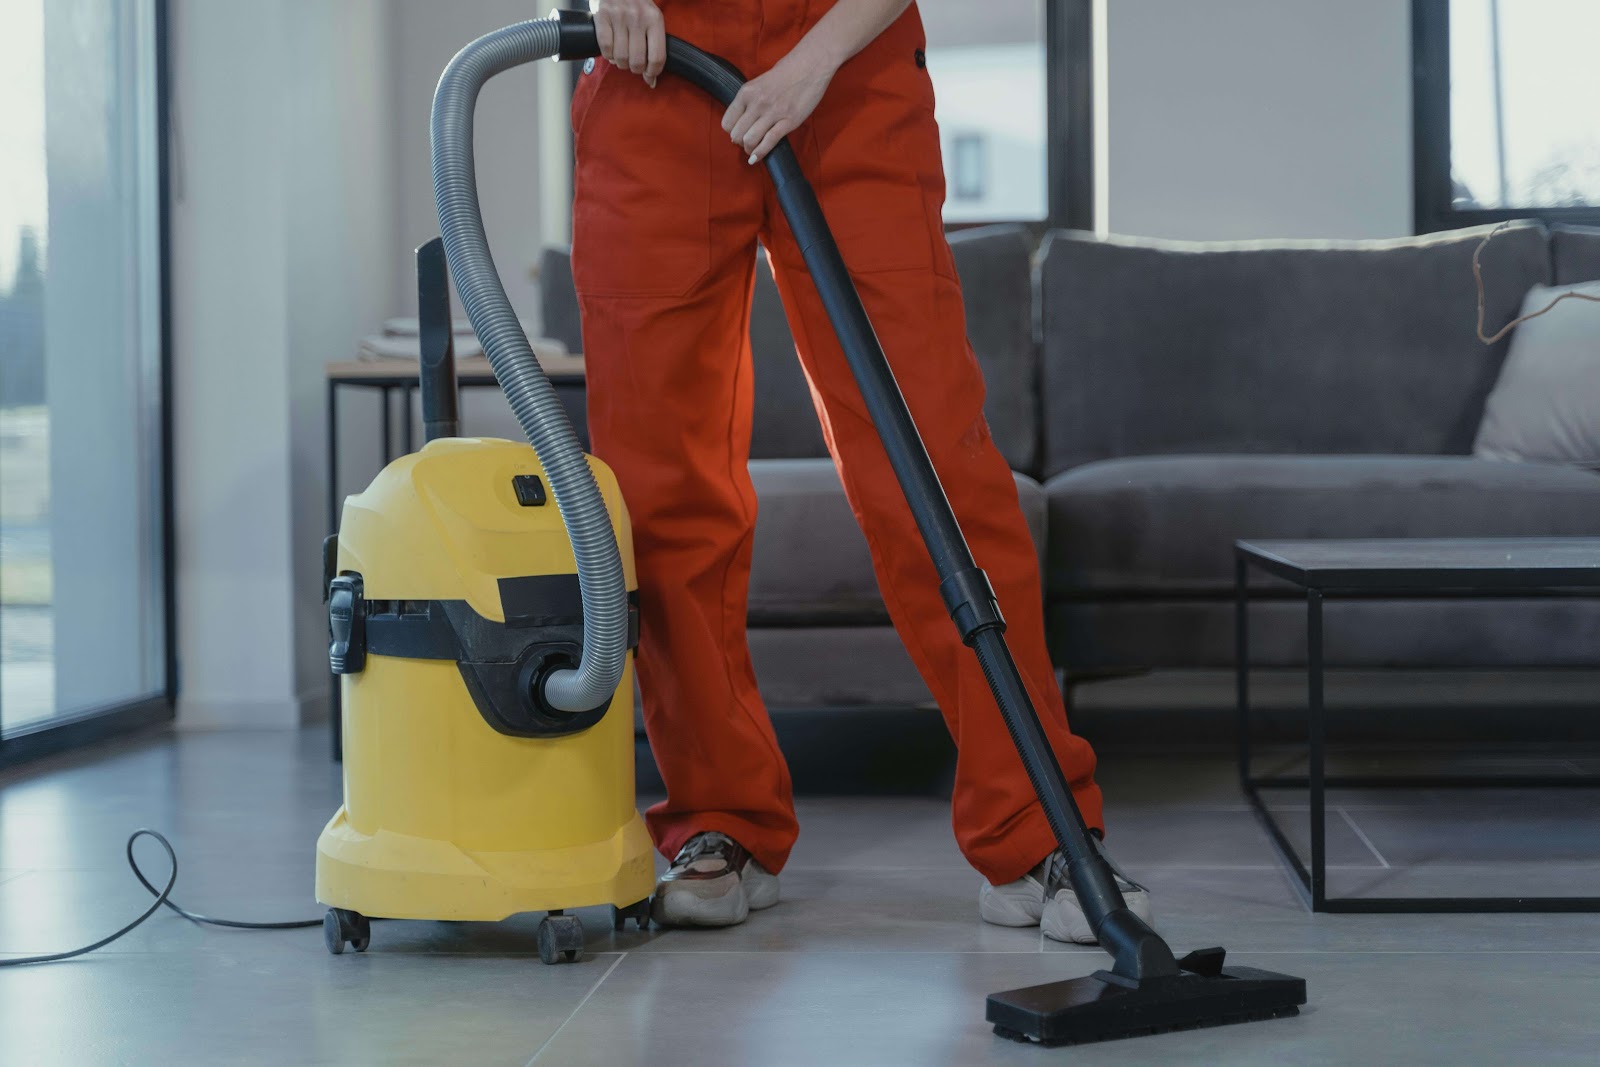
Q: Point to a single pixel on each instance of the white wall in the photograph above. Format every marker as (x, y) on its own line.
(341, 228)
(1258, 118)
(282, 244)
(230, 383)
(301, 186)
(426, 33)
(520, 131)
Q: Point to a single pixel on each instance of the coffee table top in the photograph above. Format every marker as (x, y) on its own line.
(1431, 563)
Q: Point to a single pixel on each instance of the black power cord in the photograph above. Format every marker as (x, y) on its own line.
(163, 899)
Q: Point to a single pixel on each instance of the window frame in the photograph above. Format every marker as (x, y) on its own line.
(1069, 113)
(1433, 204)
(1069, 123)
(63, 733)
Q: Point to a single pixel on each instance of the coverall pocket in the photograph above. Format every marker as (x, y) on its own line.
(879, 174)
(641, 214)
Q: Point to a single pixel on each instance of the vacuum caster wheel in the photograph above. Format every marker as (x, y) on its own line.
(560, 939)
(340, 927)
(639, 912)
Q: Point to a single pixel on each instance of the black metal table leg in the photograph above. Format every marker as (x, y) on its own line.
(1316, 736)
(1241, 666)
(405, 420)
(335, 708)
(388, 423)
(333, 457)
(1310, 881)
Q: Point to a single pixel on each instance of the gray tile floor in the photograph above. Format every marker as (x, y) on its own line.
(876, 955)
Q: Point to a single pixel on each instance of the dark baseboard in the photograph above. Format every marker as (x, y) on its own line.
(1444, 727)
(851, 751)
(907, 751)
(57, 736)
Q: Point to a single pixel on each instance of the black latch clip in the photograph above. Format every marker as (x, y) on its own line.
(347, 625)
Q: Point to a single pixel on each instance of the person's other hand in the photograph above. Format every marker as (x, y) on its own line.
(770, 107)
(633, 36)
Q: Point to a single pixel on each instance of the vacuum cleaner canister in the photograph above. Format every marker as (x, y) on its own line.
(454, 595)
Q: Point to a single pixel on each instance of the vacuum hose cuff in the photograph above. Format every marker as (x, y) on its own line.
(600, 573)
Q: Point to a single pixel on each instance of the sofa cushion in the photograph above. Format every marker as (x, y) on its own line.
(996, 268)
(785, 421)
(1167, 524)
(1546, 404)
(1575, 254)
(811, 565)
(1162, 348)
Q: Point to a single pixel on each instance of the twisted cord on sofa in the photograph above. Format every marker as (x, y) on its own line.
(1477, 276)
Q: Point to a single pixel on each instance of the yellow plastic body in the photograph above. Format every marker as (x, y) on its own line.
(443, 816)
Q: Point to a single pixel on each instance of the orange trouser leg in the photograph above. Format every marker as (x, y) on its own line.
(663, 219)
(872, 152)
(664, 258)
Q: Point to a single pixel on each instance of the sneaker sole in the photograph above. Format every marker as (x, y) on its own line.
(1065, 922)
(760, 888)
(687, 909)
(997, 909)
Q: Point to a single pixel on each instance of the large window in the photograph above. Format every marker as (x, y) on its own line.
(1507, 110)
(84, 623)
(1011, 91)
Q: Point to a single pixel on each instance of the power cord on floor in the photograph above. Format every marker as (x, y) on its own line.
(163, 899)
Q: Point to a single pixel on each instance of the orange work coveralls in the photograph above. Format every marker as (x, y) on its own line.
(666, 219)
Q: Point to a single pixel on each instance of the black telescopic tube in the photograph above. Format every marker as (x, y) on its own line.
(436, 337)
(1138, 951)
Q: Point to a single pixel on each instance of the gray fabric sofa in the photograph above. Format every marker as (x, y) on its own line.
(1158, 401)
(1197, 394)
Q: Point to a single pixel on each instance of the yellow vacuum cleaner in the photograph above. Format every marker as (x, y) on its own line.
(475, 786)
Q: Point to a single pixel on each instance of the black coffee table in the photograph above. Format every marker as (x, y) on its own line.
(1449, 568)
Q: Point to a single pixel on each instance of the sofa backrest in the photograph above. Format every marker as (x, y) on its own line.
(785, 424)
(995, 265)
(1161, 348)
(1575, 254)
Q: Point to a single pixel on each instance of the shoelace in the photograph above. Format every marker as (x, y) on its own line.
(1056, 870)
(699, 845)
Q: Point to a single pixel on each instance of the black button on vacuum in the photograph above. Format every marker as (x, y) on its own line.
(530, 490)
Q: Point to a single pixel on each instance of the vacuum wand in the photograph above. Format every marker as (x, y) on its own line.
(1138, 952)
(1147, 989)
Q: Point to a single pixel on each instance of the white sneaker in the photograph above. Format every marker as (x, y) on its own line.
(713, 881)
(1027, 902)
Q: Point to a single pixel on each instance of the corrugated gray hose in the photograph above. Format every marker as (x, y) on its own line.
(533, 399)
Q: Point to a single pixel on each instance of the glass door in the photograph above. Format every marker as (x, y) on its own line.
(83, 567)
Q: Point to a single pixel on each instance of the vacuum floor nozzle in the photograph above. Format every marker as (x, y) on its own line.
(1105, 1007)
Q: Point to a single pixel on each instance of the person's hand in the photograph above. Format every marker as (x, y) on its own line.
(633, 36)
(770, 107)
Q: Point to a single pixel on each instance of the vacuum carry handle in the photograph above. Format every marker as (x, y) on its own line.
(436, 337)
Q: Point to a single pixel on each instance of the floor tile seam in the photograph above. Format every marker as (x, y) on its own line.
(1362, 834)
(573, 1014)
